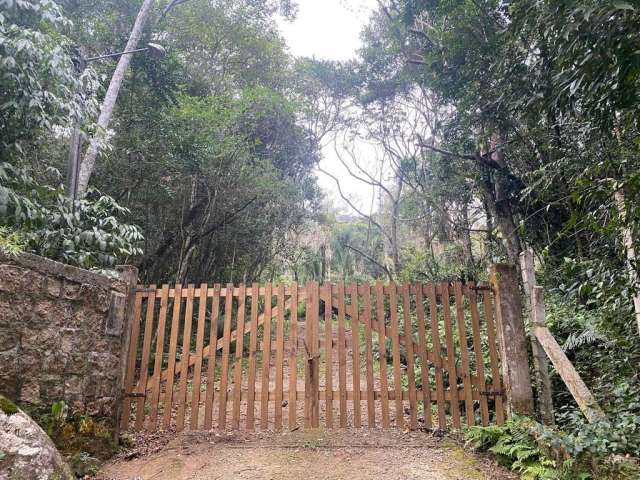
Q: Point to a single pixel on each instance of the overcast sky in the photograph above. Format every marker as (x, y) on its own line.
(330, 29)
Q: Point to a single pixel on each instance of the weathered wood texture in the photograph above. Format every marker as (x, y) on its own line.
(581, 394)
(356, 351)
(512, 339)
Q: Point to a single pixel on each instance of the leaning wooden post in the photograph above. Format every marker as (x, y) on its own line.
(512, 339)
(581, 394)
(540, 361)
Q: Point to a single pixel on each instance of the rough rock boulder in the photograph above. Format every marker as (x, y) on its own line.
(25, 449)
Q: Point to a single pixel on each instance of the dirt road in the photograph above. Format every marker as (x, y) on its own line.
(312, 455)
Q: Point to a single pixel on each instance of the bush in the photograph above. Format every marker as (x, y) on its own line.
(538, 452)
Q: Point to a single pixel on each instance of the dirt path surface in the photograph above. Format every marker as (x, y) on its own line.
(309, 455)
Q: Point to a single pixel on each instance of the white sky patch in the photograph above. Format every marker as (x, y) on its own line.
(330, 30)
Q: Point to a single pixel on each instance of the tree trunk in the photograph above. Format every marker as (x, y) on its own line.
(630, 252)
(500, 205)
(106, 111)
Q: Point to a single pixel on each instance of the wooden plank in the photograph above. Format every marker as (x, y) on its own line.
(131, 364)
(173, 346)
(342, 358)
(328, 352)
(211, 365)
(186, 353)
(408, 335)
(146, 351)
(424, 357)
(464, 355)
(224, 374)
(437, 360)
(197, 370)
(368, 342)
(512, 339)
(355, 350)
(253, 340)
(312, 317)
(279, 359)
(570, 376)
(293, 355)
(382, 345)
(237, 373)
(477, 349)
(395, 349)
(266, 358)
(496, 384)
(157, 364)
(451, 356)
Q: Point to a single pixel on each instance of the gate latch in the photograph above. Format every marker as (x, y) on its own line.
(493, 393)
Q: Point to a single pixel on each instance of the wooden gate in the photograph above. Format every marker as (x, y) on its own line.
(246, 357)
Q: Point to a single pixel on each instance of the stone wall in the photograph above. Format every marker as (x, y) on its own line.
(62, 334)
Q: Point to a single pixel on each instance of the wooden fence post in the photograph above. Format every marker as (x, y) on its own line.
(540, 361)
(129, 275)
(512, 339)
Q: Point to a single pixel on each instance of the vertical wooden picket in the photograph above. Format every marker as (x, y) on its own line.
(211, 364)
(184, 360)
(266, 358)
(328, 353)
(237, 372)
(382, 345)
(293, 356)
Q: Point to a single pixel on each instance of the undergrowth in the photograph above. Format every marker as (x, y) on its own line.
(537, 452)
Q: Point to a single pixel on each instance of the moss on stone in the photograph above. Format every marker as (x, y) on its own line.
(7, 406)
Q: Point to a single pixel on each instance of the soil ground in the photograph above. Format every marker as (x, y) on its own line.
(310, 455)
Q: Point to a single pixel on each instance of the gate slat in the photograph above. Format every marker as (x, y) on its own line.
(197, 369)
(451, 357)
(355, 351)
(253, 342)
(266, 358)
(314, 366)
(279, 358)
(424, 356)
(382, 345)
(146, 350)
(408, 335)
(342, 358)
(157, 364)
(186, 353)
(173, 345)
(328, 353)
(477, 348)
(395, 349)
(224, 374)
(371, 406)
(131, 365)
(211, 364)
(237, 374)
(293, 355)
(437, 357)
(464, 355)
(493, 355)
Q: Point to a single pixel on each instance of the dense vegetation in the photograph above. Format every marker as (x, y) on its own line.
(498, 126)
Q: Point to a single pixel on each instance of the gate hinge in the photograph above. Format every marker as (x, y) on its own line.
(493, 393)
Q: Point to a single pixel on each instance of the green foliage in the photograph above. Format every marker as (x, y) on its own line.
(42, 220)
(537, 452)
(7, 406)
(11, 243)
